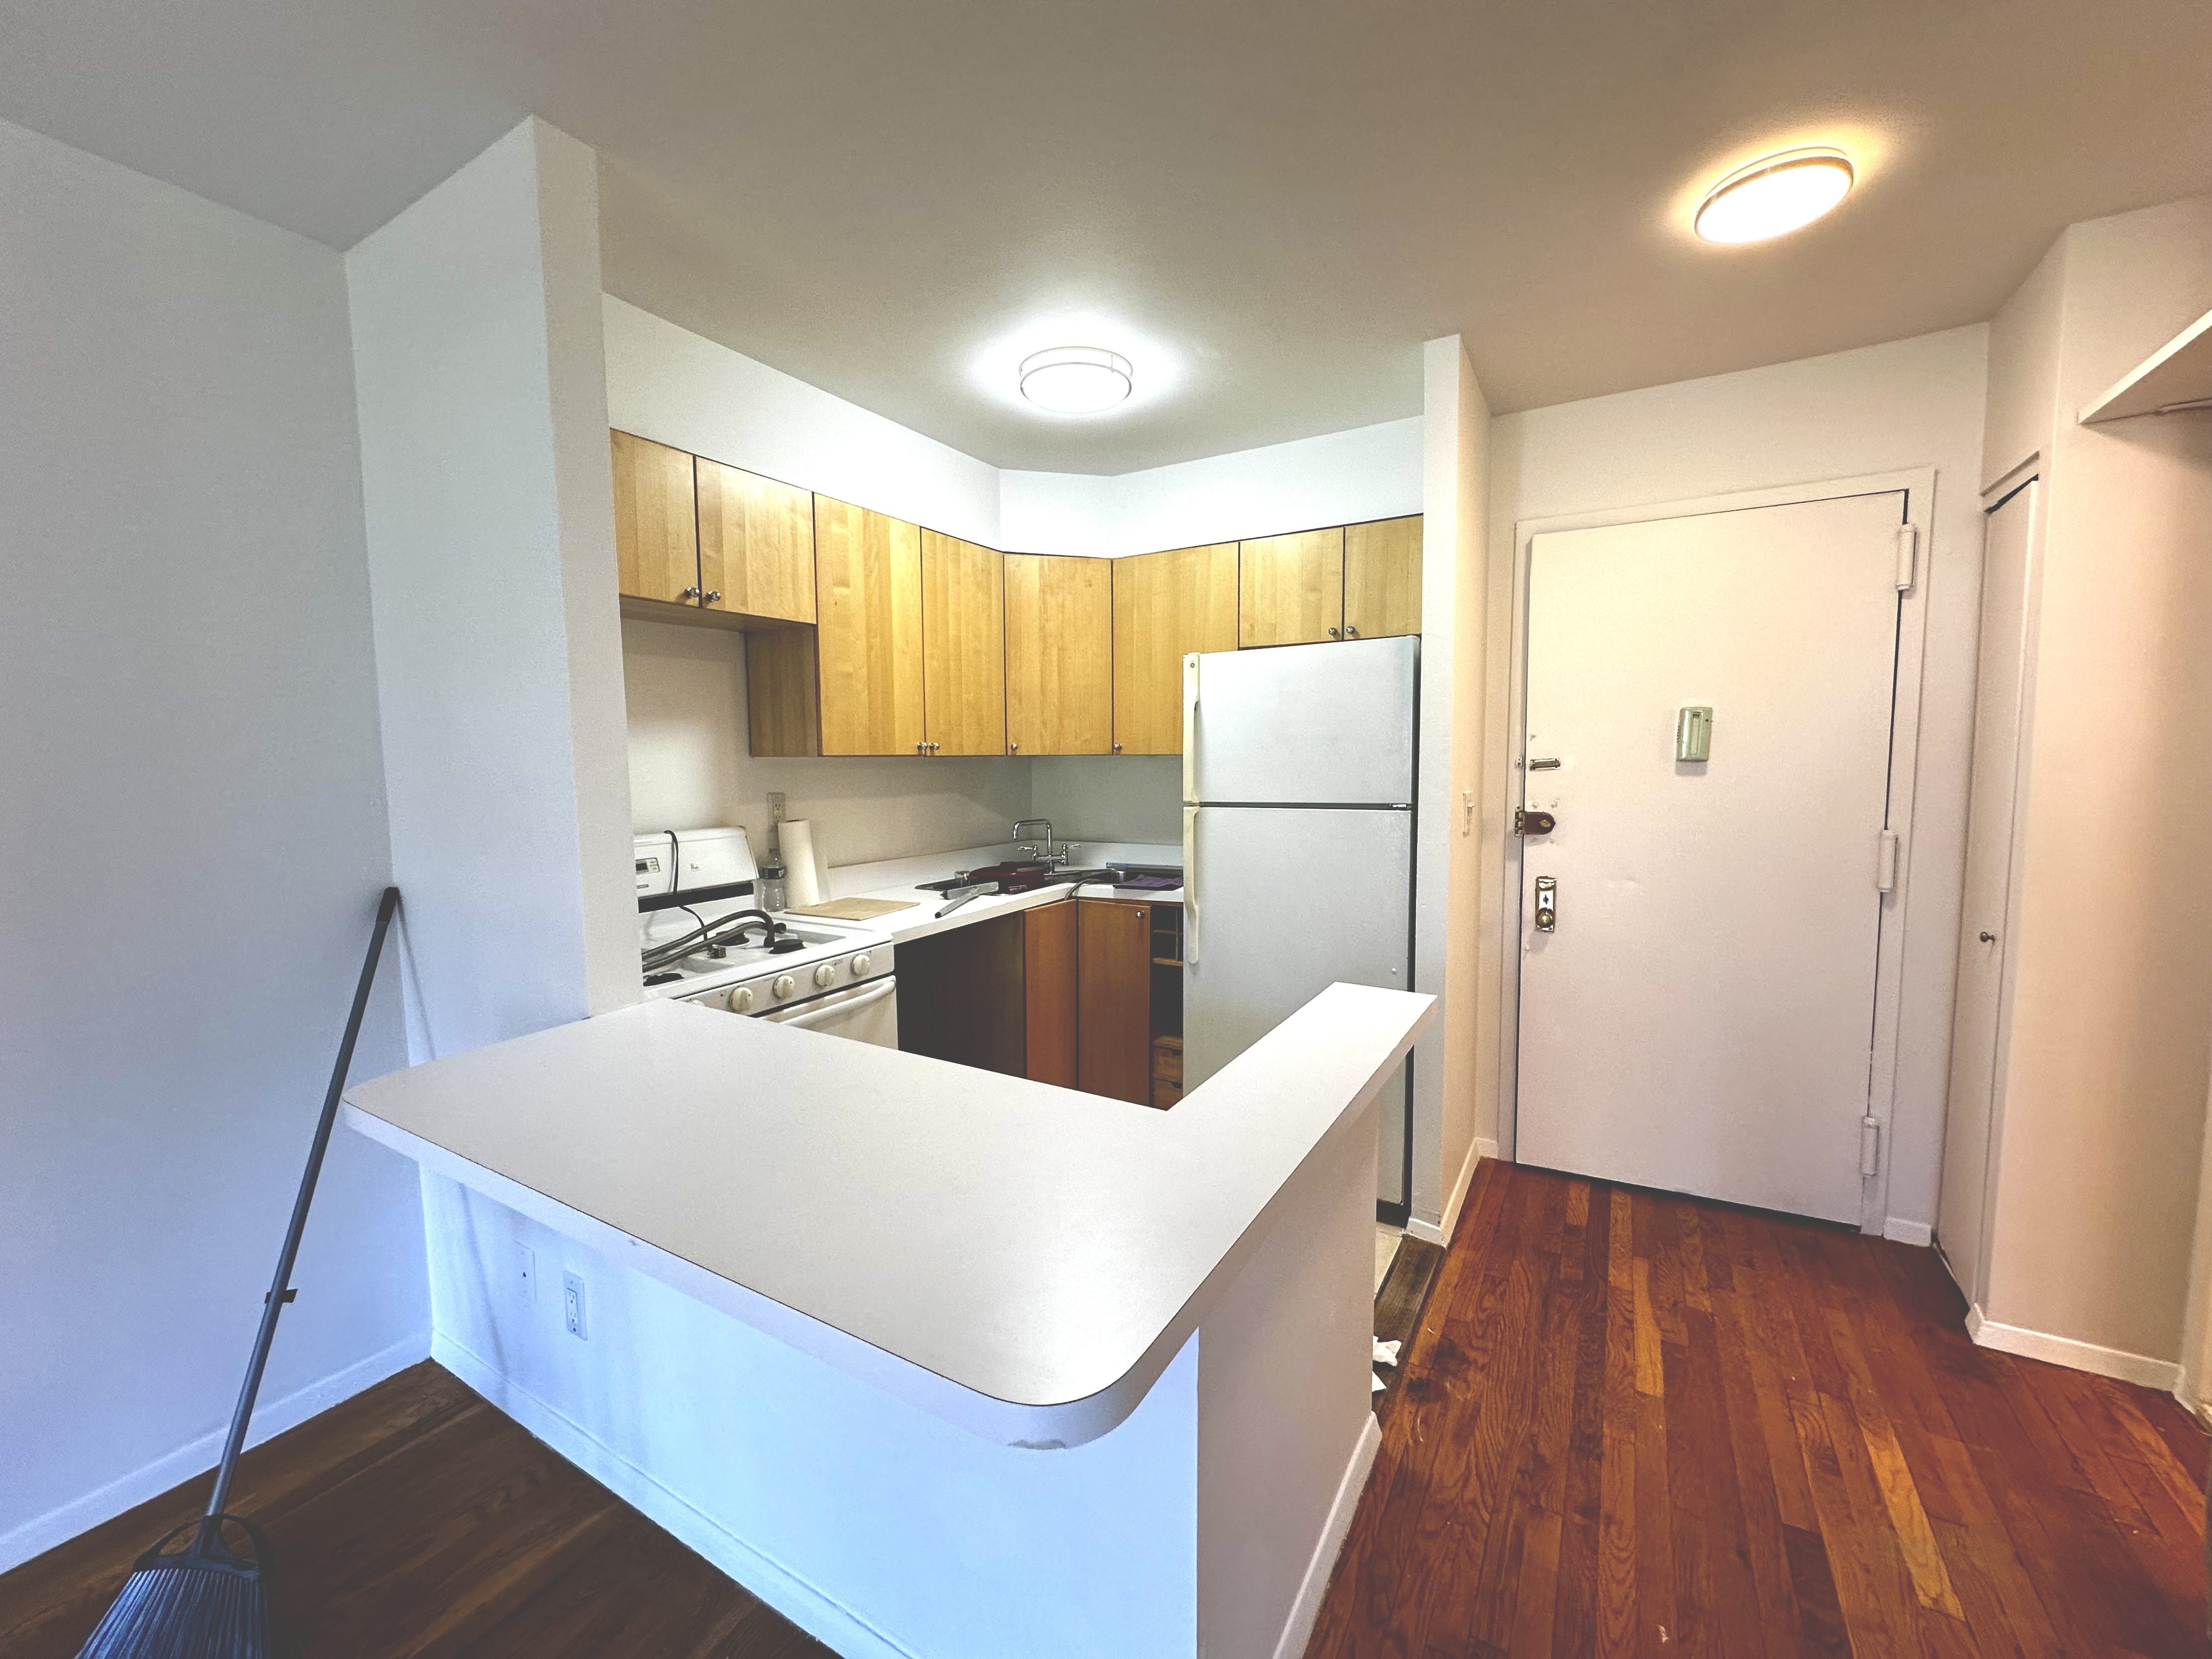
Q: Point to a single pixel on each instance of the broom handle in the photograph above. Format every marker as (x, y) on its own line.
(278, 1290)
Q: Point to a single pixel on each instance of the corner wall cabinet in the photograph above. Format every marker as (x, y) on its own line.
(866, 634)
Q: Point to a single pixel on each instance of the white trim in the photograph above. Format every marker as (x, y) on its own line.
(813, 1610)
(2161, 1374)
(1441, 1232)
(1305, 1607)
(1901, 1231)
(42, 1533)
(1918, 485)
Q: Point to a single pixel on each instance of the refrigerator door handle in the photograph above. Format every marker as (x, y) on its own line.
(1190, 885)
(1190, 726)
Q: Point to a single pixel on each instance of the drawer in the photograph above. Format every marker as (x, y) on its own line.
(1167, 1059)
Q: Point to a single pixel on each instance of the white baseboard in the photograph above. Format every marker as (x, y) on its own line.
(1908, 1232)
(2164, 1375)
(1297, 1629)
(36, 1536)
(813, 1610)
(1440, 1231)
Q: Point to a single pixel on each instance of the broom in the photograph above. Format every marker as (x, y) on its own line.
(209, 1600)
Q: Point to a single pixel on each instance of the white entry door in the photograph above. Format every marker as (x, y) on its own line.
(1699, 1015)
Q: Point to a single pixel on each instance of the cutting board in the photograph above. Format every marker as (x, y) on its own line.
(853, 909)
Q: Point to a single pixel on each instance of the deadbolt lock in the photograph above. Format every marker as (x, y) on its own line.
(1527, 822)
(1547, 904)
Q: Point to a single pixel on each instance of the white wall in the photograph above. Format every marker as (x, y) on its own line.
(2105, 1053)
(689, 767)
(1340, 477)
(676, 387)
(1909, 404)
(193, 827)
(1100, 798)
(490, 529)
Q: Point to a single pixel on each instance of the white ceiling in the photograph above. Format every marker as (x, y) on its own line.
(1268, 206)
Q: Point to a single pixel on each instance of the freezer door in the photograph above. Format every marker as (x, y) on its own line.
(1302, 724)
(1279, 903)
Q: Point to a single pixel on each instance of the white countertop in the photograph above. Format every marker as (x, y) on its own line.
(1020, 1258)
(894, 880)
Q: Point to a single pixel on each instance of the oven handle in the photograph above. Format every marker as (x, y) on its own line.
(815, 1013)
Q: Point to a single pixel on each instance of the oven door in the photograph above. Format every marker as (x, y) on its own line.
(866, 1014)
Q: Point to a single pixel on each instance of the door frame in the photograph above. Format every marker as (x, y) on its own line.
(1918, 485)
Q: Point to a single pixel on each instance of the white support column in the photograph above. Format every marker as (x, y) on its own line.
(1450, 1092)
(482, 388)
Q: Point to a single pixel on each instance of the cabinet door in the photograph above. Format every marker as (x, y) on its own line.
(1049, 953)
(1060, 655)
(1290, 589)
(867, 584)
(1115, 985)
(1382, 578)
(963, 639)
(656, 520)
(755, 545)
(1166, 605)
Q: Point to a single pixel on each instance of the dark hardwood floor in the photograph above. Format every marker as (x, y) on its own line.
(414, 1519)
(1630, 1423)
(1635, 1424)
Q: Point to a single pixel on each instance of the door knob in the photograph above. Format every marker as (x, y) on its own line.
(1547, 904)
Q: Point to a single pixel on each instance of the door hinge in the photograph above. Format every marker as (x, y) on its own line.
(1870, 1146)
(1908, 552)
(1526, 823)
(1885, 862)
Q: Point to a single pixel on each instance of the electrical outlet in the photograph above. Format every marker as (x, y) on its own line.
(776, 806)
(526, 1267)
(572, 1307)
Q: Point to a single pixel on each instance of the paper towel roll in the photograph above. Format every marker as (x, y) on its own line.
(802, 865)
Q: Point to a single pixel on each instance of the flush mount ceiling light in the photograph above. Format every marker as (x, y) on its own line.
(1774, 195)
(1075, 380)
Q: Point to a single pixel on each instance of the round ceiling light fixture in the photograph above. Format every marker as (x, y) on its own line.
(1076, 380)
(1775, 195)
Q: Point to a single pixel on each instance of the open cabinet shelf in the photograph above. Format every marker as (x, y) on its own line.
(2175, 377)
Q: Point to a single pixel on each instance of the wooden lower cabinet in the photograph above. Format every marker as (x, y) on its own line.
(1048, 992)
(961, 995)
(1115, 999)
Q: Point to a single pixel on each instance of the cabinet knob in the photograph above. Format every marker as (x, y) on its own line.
(1013, 749)
(921, 748)
(688, 593)
(1350, 632)
(934, 747)
(1117, 748)
(1336, 633)
(715, 598)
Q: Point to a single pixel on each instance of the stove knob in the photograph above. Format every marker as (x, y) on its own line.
(826, 975)
(861, 965)
(783, 986)
(741, 999)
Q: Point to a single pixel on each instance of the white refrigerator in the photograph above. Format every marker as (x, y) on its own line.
(1299, 764)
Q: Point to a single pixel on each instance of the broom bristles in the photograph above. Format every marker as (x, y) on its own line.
(181, 1613)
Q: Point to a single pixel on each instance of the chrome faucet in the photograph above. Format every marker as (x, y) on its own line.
(1032, 850)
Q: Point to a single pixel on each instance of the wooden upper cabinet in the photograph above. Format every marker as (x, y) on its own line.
(1382, 578)
(1290, 589)
(867, 583)
(964, 638)
(1164, 605)
(755, 545)
(656, 520)
(1059, 653)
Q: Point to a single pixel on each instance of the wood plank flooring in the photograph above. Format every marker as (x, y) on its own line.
(1634, 1424)
(414, 1519)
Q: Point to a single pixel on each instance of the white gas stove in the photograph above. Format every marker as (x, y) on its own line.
(694, 891)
